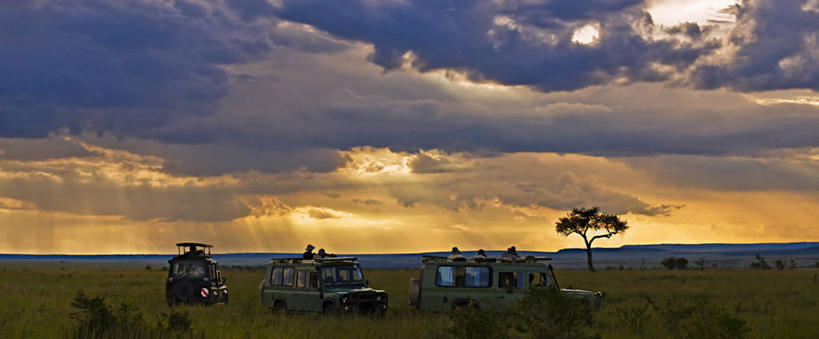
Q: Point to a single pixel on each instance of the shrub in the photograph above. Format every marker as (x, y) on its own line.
(546, 312)
(780, 265)
(699, 319)
(541, 313)
(636, 317)
(674, 263)
(474, 323)
(97, 319)
(700, 263)
(760, 263)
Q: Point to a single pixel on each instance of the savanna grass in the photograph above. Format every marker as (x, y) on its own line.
(36, 303)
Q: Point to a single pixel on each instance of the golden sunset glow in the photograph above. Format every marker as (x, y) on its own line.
(406, 126)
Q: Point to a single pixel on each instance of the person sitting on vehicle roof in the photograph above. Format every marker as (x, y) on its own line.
(308, 252)
(511, 254)
(480, 255)
(456, 255)
(324, 254)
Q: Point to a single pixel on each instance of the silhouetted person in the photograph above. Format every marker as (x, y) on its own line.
(455, 255)
(323, 254)
(511, 254)
(480, 255)
(308, 252)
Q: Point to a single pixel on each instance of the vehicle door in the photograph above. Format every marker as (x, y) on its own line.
(289, 292)
(271, 289)
(307, 292)
(510, 287)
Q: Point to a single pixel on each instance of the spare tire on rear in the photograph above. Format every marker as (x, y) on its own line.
(184, 290)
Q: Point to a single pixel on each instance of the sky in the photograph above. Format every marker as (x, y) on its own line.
(395, 126)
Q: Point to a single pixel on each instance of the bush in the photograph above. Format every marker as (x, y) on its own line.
(474, 323)
(97, 319)
(780, 265)
(699, 319)
(760, 263)
(548, 313)
(541, 313)
(674, 263)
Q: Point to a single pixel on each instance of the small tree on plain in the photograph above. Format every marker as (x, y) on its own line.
(582, 220)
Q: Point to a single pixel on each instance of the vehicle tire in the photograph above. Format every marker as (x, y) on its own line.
(329, 309)
(279, 307)
(225, 298)
(463, 305)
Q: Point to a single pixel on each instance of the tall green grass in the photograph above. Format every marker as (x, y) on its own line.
(36, 303)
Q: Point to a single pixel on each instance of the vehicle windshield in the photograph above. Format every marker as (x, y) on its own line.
(188, 269)
(342, 275)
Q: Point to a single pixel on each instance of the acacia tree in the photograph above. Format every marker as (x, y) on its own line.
(583, 220)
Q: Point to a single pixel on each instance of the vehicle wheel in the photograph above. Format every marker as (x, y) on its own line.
(279, 307)
(329, 309)
(225, 298)
(464, 305)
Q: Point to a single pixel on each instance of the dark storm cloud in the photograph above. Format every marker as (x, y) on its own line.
(510, 42)
(777, 44)
(40, 149)
(130, 68)
(103, 65)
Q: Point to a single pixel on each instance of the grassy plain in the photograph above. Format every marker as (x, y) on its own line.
(36, 302)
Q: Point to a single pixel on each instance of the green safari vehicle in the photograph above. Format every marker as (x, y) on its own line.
(486, 283)
(194, 277)
(326, 285)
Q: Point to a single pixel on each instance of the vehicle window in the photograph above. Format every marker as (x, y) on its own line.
(188, 269)
(289, 273)
(313, 280)
(276, 276)
(538, 280)
(328, 275)
(445, 276)
(342, 274)
(477, 276)
(463, 276)
(301, 279)
(505, 279)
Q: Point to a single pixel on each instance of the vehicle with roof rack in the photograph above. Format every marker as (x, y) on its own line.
(326, 285)
(486, 283)
(194, 277)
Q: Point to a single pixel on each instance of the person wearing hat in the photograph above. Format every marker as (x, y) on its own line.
(455, 255)
(323, 254)
(511, 254)
(308, 252)
(480, 255)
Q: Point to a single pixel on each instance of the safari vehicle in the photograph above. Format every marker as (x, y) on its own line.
(327, 285)
(194, 277)
(489, 283)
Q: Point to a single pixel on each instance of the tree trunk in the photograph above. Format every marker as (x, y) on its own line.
(589, 256)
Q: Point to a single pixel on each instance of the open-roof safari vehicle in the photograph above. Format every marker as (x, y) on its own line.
(485, 283)
(327, 285)
(194, 277)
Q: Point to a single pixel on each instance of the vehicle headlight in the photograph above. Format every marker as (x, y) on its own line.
(378, 298)
(344, 300)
